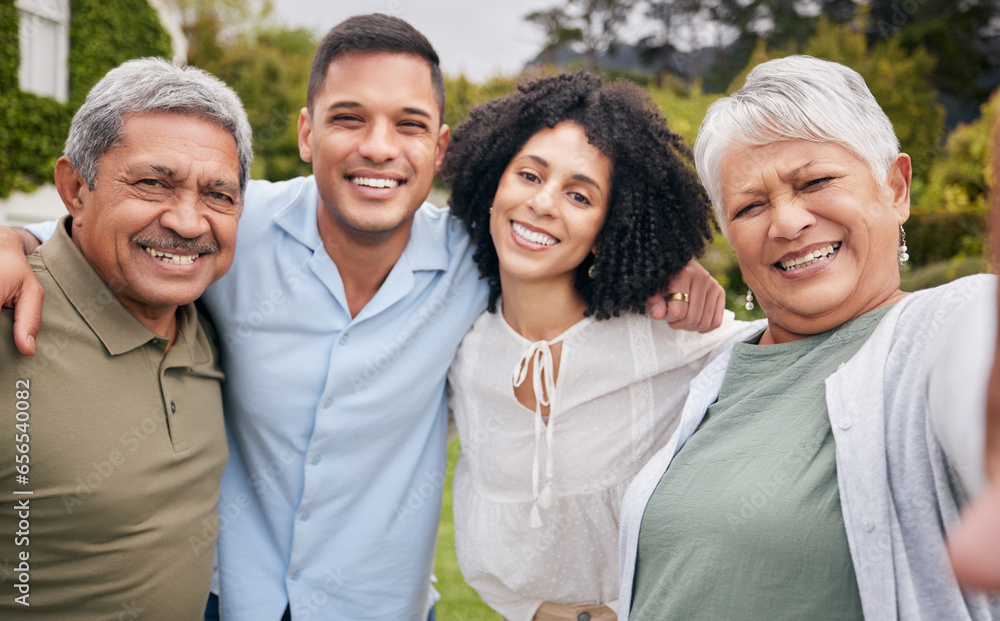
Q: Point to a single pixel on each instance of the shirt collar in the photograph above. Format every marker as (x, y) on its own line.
(117, 328)
(427, 248)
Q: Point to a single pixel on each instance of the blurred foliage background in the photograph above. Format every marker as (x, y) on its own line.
(932, 65)
(911, 55)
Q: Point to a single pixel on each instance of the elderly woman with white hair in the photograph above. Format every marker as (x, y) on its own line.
(821, 457)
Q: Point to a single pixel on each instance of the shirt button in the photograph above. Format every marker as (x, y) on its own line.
(344, 338)
(315, 459)
(583, 616)
(296, 575)
(867, 524)
(304, 517)
(845, 423)
(173, 407)
(327, 404)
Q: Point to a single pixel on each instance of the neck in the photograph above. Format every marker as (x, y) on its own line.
(364, 260)
(541, 311)
(160, 321)
(775, 334)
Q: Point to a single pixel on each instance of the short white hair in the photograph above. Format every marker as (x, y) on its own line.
(796, 98)
(145, 86)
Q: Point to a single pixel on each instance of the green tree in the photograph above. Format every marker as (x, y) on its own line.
(597, 23)
(267, 66)
(559, 32)
(949, 207)
(961, 36)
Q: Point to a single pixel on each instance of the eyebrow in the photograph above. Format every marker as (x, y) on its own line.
(353, 105)
(792, 174)
(228, 186)
(577, 177)
(170, 173)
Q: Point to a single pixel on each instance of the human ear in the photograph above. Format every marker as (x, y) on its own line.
(898, 182)
(444, 138)
(305, 135)
(71, 186)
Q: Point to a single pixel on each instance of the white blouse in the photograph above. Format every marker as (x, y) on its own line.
(536, 504)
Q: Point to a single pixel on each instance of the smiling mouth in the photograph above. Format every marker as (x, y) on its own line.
(372, 182)
(166, 257)
(533, 236)
(810, 257)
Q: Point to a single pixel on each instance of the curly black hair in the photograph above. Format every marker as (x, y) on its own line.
(659, 216)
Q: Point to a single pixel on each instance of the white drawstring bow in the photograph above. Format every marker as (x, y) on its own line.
(538, 356)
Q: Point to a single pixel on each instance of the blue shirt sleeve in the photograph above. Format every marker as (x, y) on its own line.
(42, 230)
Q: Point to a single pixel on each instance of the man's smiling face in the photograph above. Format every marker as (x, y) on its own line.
(160, 224)
(375, 141)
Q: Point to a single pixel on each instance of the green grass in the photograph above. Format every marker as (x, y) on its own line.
(458, 601)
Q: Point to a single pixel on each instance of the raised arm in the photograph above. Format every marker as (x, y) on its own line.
(975, 545)
(19, 289)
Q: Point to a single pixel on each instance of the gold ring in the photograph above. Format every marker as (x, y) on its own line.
(681, 297)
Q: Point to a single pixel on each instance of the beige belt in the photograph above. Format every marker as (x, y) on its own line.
(574, 612)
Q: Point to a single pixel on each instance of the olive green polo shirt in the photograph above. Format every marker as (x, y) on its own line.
(110, 456)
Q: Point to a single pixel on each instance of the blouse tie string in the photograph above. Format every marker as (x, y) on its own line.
(538, 357)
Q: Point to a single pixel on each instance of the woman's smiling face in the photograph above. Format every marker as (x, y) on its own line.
(550, 205)
(816, 235)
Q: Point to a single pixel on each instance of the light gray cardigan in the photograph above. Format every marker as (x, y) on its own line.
(907, 413)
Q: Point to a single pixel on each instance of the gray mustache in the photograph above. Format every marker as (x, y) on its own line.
(192, 246)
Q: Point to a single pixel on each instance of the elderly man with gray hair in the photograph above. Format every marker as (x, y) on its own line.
(113, 436)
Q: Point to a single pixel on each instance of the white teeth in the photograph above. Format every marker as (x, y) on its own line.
(810, 257)
(532, 236)
(166, 257)
(375, 183)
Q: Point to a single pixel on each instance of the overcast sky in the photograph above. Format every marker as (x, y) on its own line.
(478, 38)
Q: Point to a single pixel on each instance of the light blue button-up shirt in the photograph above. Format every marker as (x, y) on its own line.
(331, 497)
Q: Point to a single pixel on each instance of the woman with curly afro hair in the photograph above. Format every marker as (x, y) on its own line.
(580, 202)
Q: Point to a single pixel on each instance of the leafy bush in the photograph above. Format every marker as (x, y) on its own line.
(103, 34)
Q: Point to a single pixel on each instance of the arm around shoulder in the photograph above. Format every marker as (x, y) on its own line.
(19, 288)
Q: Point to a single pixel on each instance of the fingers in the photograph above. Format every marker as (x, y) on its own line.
(679, 314)
(656, 305)
(696, 314)
(20, 290)
(28, 316)
(703, 312)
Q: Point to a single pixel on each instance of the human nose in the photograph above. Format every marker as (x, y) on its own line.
(542, 201)
(379, 143)
(789, 217)
(185, 217)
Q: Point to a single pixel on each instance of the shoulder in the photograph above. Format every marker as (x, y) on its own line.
(970, 289)
(273, 195)
(697, 344)
(928, 312)
(438, 222)
(265, 199)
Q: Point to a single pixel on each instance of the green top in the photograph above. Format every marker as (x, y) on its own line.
(124, 449)
(746, 522)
